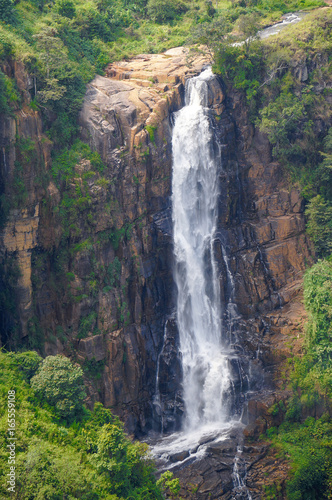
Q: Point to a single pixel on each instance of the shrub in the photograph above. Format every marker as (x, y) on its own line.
(7, 11)
(319, 225)
(66, 8)
(28, 363)
(88, 324)
(60, 384)
(164, 11)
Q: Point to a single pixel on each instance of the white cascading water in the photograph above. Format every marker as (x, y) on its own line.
(207, 381)
(206, 375)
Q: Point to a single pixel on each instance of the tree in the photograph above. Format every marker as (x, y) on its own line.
(125, 464)
(209, 36)
(55, 63)
(66, 8)
(54, 473)
(60, 384)
(169, 484)
(28, 362)
(7, 13)
(319, 225)
(281, 119)
(248, 26)
(163, 11)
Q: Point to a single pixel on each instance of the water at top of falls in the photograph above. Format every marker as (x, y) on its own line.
(196, 160)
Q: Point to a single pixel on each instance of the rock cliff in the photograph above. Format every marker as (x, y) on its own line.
(94, 279)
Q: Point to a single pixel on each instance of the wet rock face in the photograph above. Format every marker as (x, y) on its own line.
(168, 400)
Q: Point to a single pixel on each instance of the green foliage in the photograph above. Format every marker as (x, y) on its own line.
(8, 94)
(88, 325)
(294, 409)
(94, 369)
(113, 274)
(212, 35)
(151, 130)
(63, 164)
(61, 473)
(318, 303)
(89, 460)
(319, 209)
(309, 447)
(248, 25)
(16, 196)
(65, 42)
(319, 226)
(170, 485)
(281, 119)
(75, 194)
(9, 276)
(308, 444)
(120, 461)
(28, 363)
(272, 492)
(246, 71)
(60, 384)
(7, 13)
(163, 11)
(66, 8)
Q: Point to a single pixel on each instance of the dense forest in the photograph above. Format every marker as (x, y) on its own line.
(65, 450)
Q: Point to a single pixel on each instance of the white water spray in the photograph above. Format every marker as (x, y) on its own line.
(206, 375)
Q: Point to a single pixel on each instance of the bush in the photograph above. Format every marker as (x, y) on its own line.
(163, 11)
(66, 8)
(28, 363)
(7, 11)
(60, 384)
(319, 226)
(307, 445)
(8, 94)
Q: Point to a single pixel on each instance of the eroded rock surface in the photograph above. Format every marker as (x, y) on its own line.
(103, 292)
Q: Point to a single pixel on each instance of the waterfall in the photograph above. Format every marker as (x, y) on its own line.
(196, 160)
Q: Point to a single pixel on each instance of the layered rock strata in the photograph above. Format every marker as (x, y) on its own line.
(101, 290)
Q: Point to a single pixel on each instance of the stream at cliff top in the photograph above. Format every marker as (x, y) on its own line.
(292, 18)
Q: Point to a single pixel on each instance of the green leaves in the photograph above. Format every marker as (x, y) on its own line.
(280, 120)
(7, 13)
(60, 384)
(319, 226)
(308, 445)
(163, 11)
(314, 369)
(125, 464)
(170, 484)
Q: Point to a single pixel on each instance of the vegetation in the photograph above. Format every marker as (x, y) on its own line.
(306, 442)
(90, 458)
(60, 384)
(308, 445)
